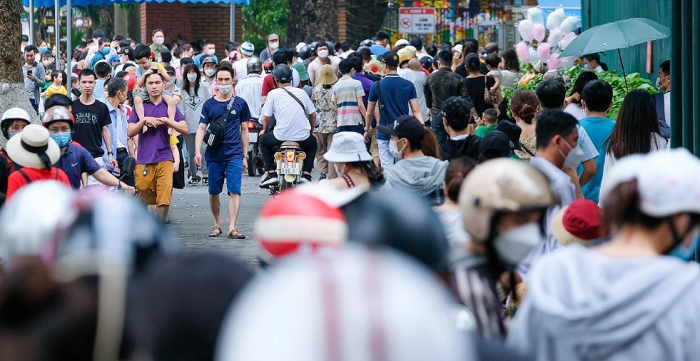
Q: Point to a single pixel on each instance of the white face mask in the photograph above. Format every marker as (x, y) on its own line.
(573, 160)
(225, 89)
(46, 62)
(211, 51)
(394, 150)
(191, 77)
(658, 83)
(273, 46)
(514, 245)
(323, 53)
(160, 40)
(210, 72)
(587, 67)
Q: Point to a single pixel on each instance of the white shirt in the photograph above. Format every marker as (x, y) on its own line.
(241, 68)
(575, 110)
(599, 69)
(292, 124)
(418, 78)
(250, 89)
(667, 107)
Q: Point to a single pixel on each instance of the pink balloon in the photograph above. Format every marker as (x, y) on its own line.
(554, 61)
(543, 52)
(538, 31)
(568, 38)
(567, 61)
(523, 52)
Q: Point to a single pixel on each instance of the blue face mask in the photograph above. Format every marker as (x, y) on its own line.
(687, 253)
(105, 51)
(13, 134)
(62, 139)
(43, 50)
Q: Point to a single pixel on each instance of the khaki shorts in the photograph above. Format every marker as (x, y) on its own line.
(157, 185)
(373, 146)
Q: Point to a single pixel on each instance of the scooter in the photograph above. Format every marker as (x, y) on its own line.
(290, 161)
(255, 160)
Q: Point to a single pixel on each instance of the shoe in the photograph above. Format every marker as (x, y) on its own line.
(269, 179)
(193, 180)
(306, 178)
(322, 176)
(205, 180)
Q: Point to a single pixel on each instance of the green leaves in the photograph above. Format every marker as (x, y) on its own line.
(262, 18)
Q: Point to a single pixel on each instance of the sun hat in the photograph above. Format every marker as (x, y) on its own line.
(412, 49)
(273, 37)
(348, 147)
(327, 75)
(404, 55)
(247, 48)
(33, 148)
(578, 222)
(375, 67)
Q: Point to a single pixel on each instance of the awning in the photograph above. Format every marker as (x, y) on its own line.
(571, 7)
(51, 3)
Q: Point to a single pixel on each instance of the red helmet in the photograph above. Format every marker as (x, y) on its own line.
(294, 222)
(58, 113)
(130, 80)
(268, 66)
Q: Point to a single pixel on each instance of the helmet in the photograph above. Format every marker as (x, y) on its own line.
(343, 306)
(254, 65)
(367, 42)
(427, 62)
(268, 66)
(9, 116)
(305, 52)
(501, 185)
(331, 47)
(297, 222)
(58, 113)
(312, 47)
(30, 218)
(130, 80)
(282, 73)
(361, 47)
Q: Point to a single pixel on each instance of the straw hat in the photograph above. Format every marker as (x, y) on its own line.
(375, 67)
(348, 147)
(33, 148)
(578, 222)
(327, 76)
(404, 55)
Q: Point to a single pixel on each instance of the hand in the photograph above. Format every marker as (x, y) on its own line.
(479, 122)
(457, 59)
(113, 162)
(153, 122)
(198, 159)
(30, 76)
(128, 189)
(176, 167)
(261, 132)
(162, 120)
(245, 165)
(114, 44)
(368, 136)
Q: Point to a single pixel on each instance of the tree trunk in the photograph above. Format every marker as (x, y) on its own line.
(12, 94)
(311, 20)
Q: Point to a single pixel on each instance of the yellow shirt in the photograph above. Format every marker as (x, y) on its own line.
(51, 91)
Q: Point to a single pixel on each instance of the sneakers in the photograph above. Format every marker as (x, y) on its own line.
(306, 178)
(205, 180)
(269, 179)
(322, 176)
(193, 180)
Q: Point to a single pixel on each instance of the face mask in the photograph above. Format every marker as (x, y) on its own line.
(687, 253)
(46, 63)
(323, 53)
(573, 160)
(160, 41)
(13, 134)
(211, 51)
(587, 67)
(210, 72)
(514, 245)
(658, 83)
(394, 150)
(191, 77)
(273, 46)
(225, 89)
(43, 49)
(61, 139)
(105, 51)
(337, 170)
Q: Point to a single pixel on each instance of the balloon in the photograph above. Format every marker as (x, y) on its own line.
(567, 61)
(554, 37)
(533, 55)
(554, 61)
(536, 15)
(543, 52)
(538, 32)
(523, 53)
(555, 18)
(525, 29)
(569, 24)
(566, 40)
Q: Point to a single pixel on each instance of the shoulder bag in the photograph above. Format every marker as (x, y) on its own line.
(298, 101)
(214, 135)
(380, 101)
(489, 98)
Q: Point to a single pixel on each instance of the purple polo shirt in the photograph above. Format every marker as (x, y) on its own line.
(154, 144)
(366, 86)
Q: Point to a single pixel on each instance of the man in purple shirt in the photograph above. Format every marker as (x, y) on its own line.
(154, 169)
(366, 83)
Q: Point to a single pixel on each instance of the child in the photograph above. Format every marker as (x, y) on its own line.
(326, 121)
(145, 63)
(490, 122)
(492, 62)
(56, 86)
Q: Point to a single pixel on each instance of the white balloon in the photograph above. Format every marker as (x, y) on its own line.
(554, 37)
(525, 28)
(533, 56)
(569, 24)
(555, 18)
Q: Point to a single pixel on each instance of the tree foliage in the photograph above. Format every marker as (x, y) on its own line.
(264, 17)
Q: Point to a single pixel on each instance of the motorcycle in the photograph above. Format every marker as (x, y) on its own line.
(255, 160)
(290, 160)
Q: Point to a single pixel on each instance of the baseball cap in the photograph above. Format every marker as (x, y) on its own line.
(125, 50)
(169, 69)
(405, 126)
(495, 144)
(404, 55)
(98, 34)
(207, 59)
(247, 48)
(417, 42)
(390, 58)
(579, 222)
(273, 37)
(114, 58)
(512, 131)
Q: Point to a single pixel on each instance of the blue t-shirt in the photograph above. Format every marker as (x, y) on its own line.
(377, 50)
(231, 147)
(396, 93)
(599, 130)
(75, 161)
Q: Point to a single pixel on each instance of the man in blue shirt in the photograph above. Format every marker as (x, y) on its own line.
(229, 160)
(379, 47)
(397, 93)
(103, 51)
(596, 99)
(122, 145)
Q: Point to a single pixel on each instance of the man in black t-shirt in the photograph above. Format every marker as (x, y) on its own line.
(91, 122)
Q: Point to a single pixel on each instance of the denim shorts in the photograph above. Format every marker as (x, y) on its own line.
(231, 170)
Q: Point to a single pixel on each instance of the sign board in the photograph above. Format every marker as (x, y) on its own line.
(417, 20)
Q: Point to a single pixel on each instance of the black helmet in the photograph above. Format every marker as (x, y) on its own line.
(331, 47)
(268, 66)
(254, 65)
(312, 47)
(305, 52)
(282, 73)
(367, 43)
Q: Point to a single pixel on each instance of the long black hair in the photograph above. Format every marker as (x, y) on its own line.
(510, 60)
(186, 82)
(584, 78)
(635, 126)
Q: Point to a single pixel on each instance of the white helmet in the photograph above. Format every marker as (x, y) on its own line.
(356, 304)
(9, 116)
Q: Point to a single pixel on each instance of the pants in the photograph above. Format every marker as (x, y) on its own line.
(324, 144)
(90, 179)
(35, 105)
(122, 154)
(189, 141)
(268, 142)
(156, 186)
(384, 154)
(438, 128)
(352, 128)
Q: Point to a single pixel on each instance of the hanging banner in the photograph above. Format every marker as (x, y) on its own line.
(416, 20)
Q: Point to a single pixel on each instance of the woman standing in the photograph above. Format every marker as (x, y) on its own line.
(194, 94)
(524, 105)
(476, 84)
(511, 76)
(327, 118)
(574, 100)
(352, 162)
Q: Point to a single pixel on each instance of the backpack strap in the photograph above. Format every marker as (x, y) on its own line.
(24, 175)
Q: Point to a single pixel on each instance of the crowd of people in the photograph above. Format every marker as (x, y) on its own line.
(448, 223)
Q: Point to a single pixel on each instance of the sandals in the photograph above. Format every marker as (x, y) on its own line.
(215, 231)
(235, 235)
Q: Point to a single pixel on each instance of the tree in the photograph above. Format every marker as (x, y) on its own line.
(12, 94)
(262, 18)
(311, 20)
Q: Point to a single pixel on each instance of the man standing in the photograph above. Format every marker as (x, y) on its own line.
(92, 122)
(209, 50)
(323, 58)
(417, 43)
(379, 47)
(117, 90)
(229, 160)
(34, 75)
(592, 62)
(103, 51)
(250, 88)
(154, 169)
(102, 71)
(455, 119)
(241, 66)
(273, 43)
(663, 99)
(157, 45)
(415, 75)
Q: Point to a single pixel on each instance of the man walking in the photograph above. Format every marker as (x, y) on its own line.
(229, 160)
(34, 75)
(379, 47)
(250, 88)
(323, 57)
(116, 96)
(273, 43)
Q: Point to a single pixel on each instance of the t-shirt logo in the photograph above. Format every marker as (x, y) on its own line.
(193, 102)
(233, 112)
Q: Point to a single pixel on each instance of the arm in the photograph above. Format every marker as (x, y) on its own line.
(496, 84)
(361, 105)
(416, 110)
(244, 143)
(368, 120)
(108, 144)
(40, 78)
(428, 95)
(266, 124)
(176, 157)
(198, 144)
(589, 170)
(178, 126)
(575, 180)
(130, 146)
(135, 128)
(312, 121)
(108, 179)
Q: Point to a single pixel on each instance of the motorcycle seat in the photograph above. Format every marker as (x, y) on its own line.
(290, 144)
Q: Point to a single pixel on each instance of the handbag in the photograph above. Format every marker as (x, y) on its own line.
(214, 134)
(489, 98)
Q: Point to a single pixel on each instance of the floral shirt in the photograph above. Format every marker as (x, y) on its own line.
(326, 111)
(531, 144)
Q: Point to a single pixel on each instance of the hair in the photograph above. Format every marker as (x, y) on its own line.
(225, 68)
(130, 55)
(166, 56)
(55, 74)
(431, 49)
(130, 97)
(510, 60)
(86, 72)
(366, 54)
(142, 51)
(82, 44)
(666, 67)
(185, 47)
(291, 53)
(77, 54)
(185, 61)
(177, 53)
(382, 35)
(635, 126)
(621, 207)
(551, 123)
(157, 30)
(58, 99)
(591, 57)
(121, 74)
(31, 47)
(346, 46)
(102, 69)
(46, 54)
(103, 40)
(146, 76)
(208, 42)
(186, 85)
(230, 46)
(124, 43)
(524, 105)
(429, 145)
(551, 94)
(491, 116)
(445, 57)
(598, 95)
(417, 144)
(116, 85)
(281, 56)
(472, 63)
(356, 63)
(458, 169)
(583, 79)
(493, 60)
(346, 66)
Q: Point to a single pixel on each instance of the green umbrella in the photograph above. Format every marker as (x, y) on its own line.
(616, 35)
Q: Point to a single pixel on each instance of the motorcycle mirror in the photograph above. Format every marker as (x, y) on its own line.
(129, 166)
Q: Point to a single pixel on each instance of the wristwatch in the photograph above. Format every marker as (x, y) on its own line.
(246, 156)
(110, 153)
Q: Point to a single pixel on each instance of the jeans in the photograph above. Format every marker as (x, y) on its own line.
(387, 160)
(35, 105)
(439, 128)
(352, 128)
(267, 143)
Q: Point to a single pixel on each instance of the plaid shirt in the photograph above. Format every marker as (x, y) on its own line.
(443, 84)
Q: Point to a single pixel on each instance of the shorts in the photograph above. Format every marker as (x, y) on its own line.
(352, 128)
(231, 170)
(374, 147)
(387, 160)
(143, 94)
(156, 186)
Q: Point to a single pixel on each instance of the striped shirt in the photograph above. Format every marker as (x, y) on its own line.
(345, 94)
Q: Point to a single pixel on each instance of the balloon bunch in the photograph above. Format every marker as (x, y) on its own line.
(534, 48)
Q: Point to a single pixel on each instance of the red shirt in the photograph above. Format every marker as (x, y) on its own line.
(269, 85)
(17, 181)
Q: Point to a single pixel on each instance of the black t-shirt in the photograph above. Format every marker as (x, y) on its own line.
(89, 120)
(461, 70)
(475, 88)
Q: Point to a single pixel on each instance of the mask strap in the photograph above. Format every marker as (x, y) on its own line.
(678, 239)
